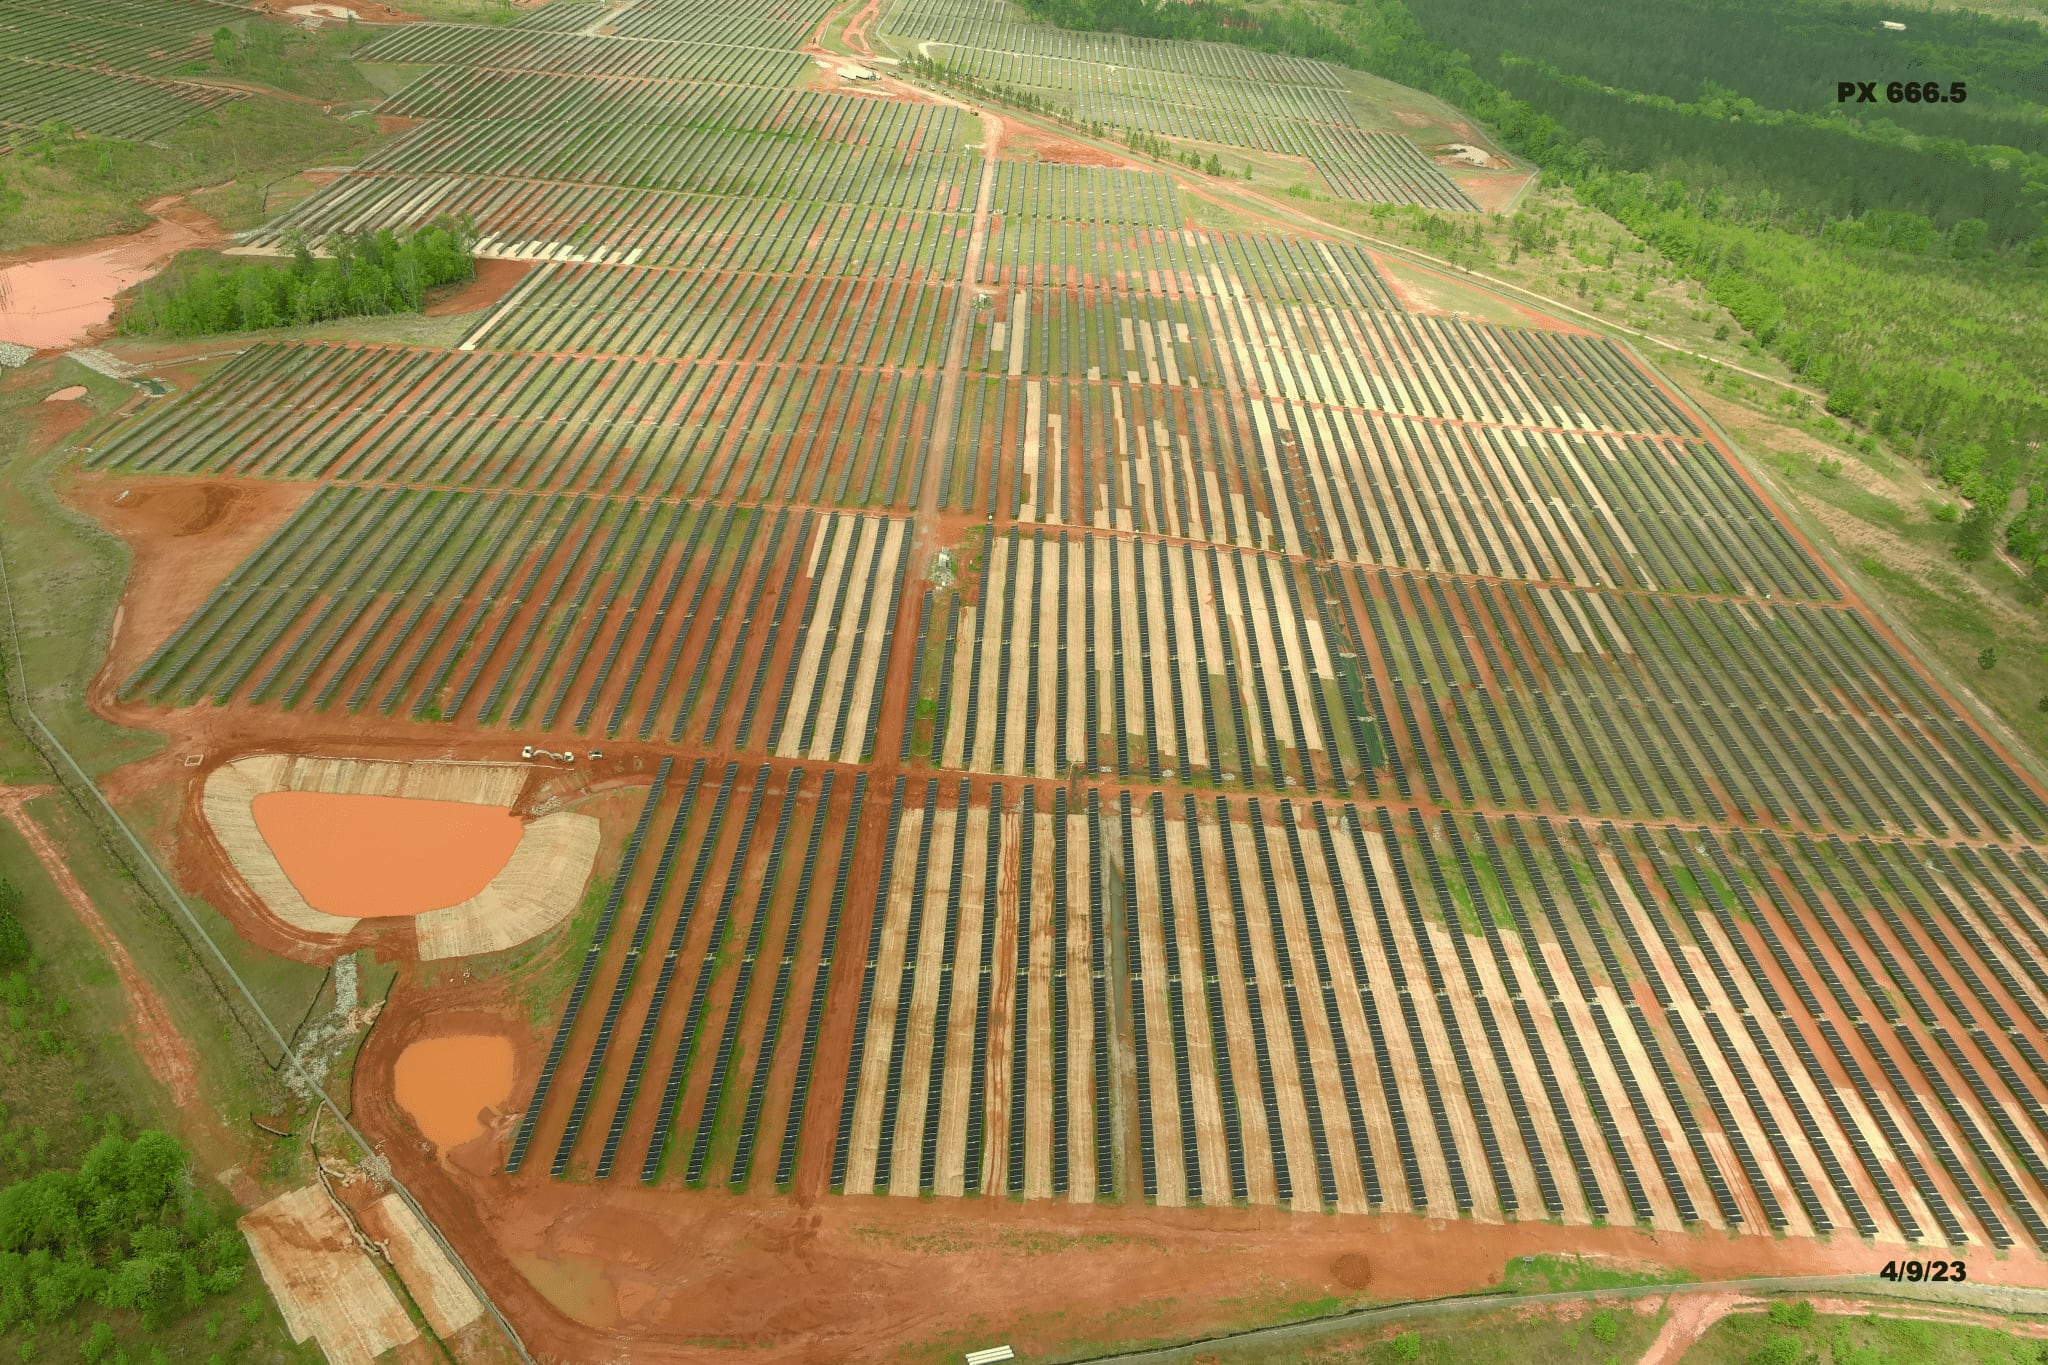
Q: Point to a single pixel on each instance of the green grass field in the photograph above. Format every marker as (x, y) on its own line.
(66, 574)
(1791, 1334)
(75, 189)
(1599, 1336)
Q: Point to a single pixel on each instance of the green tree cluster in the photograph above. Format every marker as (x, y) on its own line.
(126, 1230)
(351, 275)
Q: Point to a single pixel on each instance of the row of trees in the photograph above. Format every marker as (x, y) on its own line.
(1778, 54)
(349, 275)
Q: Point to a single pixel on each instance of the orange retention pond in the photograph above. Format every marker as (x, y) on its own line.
(446, 1084)
(373, 857)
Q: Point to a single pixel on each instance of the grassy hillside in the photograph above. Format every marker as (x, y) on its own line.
(308, 106)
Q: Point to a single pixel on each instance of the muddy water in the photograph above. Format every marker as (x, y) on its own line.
(368, 857)
(446, 1084)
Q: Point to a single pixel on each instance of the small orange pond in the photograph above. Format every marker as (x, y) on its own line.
(366, 857)
(447, 1083)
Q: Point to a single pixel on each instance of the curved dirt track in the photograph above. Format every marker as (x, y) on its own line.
(165, 1050)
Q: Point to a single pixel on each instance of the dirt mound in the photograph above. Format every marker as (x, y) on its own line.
(1352, 1270)
(182, 509)
(1074, 154)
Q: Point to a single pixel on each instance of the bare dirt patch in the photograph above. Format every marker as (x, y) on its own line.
(1691, 1316)
(1492, 189)
(186, 537)
(494, 280)
(365, 11)
(1074, 154)
(1465, 154)
(1421, 289)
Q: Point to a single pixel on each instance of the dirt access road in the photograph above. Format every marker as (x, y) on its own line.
(166, 1052)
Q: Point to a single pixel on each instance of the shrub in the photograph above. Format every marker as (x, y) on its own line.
(1779, 1351)
(125, 1229)
(1791, 1313)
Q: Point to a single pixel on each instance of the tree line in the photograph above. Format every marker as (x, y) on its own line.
(1780, 54)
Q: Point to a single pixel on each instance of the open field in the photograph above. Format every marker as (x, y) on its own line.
(1361, 772)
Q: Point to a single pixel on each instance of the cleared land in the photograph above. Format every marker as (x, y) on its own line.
(1354, 760)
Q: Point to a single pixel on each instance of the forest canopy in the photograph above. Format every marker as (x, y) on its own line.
(125, 1230)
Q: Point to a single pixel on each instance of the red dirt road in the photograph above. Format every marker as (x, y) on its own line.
(165, 1051)
(1691, 1316)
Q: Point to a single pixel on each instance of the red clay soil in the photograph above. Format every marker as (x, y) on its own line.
(53, 298)
(366, 11)
(367, 857)
(855, 34)
(590, 1270)
(1492, 190)
(1074, 154)
(165, 1051)
(494, 280)
(1691, 1316)
(1397, 273)
(186, 535)
(54, 421)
